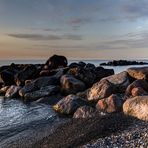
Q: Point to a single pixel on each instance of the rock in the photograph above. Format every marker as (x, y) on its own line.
(4, 89)
(120, 80)
(111, 104)
(100, 90)
(43, 92)
(37, 84)
(29, 72)
(56, 61)
(137, 107)
(123, 63)
(71, 85)
(138, 91)
(51, 100)
(85, 112)
(8, 77)
(69, 104)
(83, 94)
(12, 92)
(84, 74)
(101, 73)
(138, 72)
(45, 81)
(138, 87)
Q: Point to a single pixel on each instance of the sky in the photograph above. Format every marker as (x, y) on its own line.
(78, 29)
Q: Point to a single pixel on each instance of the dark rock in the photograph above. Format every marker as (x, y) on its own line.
(69, 104)
(140, 88)
(71, 85)
(12, 92)
(84, 74)
(138, 72)
(37, 84)
(111, 104)
(56, 61)
(122, 63)
(43, 92)
(137, 107)
(85, 112)
(101, 73)
(29, 72)
(51, 100)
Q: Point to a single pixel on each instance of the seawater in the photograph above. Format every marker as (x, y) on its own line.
(22, 123)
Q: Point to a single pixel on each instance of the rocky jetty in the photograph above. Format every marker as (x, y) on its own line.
(79, 90)
(122, 63)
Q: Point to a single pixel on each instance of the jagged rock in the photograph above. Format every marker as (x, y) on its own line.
(100, 90)
(71, 85)
(138, 72)
(85, 112)
(43, 92)
(111, 104)
(138, 87)
(69, 104)
(28, 72)
(137, 107)
(13, 91)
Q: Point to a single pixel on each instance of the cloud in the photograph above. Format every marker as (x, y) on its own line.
(79, 21)
(37, 37)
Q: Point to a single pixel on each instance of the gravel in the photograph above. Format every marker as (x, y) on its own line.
(134, 136)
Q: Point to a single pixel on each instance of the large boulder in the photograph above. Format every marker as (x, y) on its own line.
(120, 80)
(69, 104)
(137, 107)
(71, 85)
(138, 72)
(85, 112)
(138, 87)
(43, 92)
(12, 92)
(100, 90)
(29, 72)
(111, 104)
(56, 61)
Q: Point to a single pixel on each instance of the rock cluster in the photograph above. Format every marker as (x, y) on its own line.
(81, 90)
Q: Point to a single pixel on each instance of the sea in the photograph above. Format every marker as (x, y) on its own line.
(21, 125)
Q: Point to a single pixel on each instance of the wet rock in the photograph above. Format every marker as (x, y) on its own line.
(69, 104)
(71, 85)
(138, 87)
(100, 90)
(29, 72)
(138, 72)
(137, 107)
(85, 112)
(56, 61)
(43, 92)
(51, 100)
(111, 104)
(12, 92)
